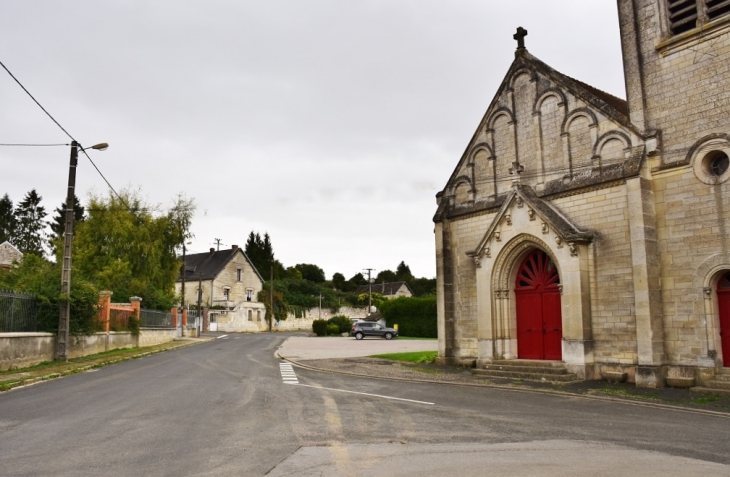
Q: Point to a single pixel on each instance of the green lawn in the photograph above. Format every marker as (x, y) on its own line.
(412, 357)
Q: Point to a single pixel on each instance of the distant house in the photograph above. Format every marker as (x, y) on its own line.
(388, 290)
(9, 254)
(227, 278)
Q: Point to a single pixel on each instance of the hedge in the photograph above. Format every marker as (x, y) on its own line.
(415, 316)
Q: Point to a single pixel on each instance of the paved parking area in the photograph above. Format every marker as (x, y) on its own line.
(305, 347)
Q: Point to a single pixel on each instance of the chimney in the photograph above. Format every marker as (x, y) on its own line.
(212, 250)
(234, 247)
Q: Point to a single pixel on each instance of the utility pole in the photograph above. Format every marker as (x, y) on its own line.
(320, 306)
(217, 244)
(271, 318)
(64, 314)
(200, 303)
(65, 311)
(182, 300)
(370, 289)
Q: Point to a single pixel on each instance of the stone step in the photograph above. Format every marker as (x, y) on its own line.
(535, 363)
(715, 384)
(723, 377)
(705, 390)
(525, 369)
(533, 376)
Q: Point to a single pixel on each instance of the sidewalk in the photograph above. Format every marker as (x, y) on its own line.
(351, 357)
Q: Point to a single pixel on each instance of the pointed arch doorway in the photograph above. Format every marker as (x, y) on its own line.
(539, 316)
(723, 303)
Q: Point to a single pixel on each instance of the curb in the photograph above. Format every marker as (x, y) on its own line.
(627, 401)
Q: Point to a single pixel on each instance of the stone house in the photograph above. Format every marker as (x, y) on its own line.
(227, 279)
(9, 254)
(388, 290)
(590, 233)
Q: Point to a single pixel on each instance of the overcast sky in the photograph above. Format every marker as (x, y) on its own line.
(330, 124)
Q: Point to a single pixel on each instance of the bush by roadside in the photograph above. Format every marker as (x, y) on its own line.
(415, 316)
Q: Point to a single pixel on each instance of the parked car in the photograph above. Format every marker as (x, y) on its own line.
(361, 329)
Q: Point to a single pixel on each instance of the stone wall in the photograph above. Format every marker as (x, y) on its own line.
(27, 349)
(238, 321)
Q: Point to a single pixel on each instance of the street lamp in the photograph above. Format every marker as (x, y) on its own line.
(65, 308)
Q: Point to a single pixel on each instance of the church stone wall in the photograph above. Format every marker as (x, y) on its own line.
(612, 293)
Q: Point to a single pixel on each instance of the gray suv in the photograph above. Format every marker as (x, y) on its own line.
(362, 329)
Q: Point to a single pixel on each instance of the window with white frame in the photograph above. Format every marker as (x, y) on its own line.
(249, 294)
(226, 294)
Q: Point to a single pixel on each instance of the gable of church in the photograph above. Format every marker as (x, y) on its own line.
(556, 133)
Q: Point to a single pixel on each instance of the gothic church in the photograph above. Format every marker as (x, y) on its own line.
(590, 235)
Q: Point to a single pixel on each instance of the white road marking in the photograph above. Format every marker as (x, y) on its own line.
(222, 336)
(288, 376)
(368, 394)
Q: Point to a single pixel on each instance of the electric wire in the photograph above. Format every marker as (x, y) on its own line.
(62, 128)
(36, 145)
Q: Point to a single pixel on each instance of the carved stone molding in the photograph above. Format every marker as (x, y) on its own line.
(573, 249)
(488, 252)
(559, 241)
(520, 202)
(508, 219)
(513, 251)
(498, 236)
(708, 291)
(545, 228)
(531, 214)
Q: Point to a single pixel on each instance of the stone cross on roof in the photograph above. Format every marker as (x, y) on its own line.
(520, 37)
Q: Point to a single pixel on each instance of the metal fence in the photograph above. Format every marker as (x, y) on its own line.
(18, 312)
(155, 319)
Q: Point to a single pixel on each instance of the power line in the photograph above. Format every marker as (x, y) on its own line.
(61, 127)
(36, 145)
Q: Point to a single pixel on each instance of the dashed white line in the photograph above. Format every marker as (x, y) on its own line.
(368, 394)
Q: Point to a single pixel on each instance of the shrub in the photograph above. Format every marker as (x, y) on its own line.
(343, 323)
(415, 316)
(319, 327)
(333, 329)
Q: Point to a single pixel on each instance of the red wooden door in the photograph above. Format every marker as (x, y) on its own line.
(539, 318)
(723, 301)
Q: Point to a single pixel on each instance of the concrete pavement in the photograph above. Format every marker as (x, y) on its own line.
(305, 347)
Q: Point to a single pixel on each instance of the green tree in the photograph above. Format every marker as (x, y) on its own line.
(7, 220)
(130, 248)
(339, 282)
(311, 272)
(386, 276)
(58, 223)
(261, 253)
(30, 236)
(403, 272)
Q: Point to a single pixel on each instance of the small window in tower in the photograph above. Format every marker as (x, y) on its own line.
(682, 15)
(238, 274)
(226, 293)
(717, 163)
(717, 8)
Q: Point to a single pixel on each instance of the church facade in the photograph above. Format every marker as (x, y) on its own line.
(584, 229)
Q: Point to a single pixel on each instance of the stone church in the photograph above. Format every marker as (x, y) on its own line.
(591, 234)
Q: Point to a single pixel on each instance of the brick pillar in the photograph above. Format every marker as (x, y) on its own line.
(136, 305)
(105, 301)
(173, 310)
(205, 319)
(185, 317)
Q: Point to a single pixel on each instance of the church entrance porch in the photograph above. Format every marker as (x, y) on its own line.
(539, 317)
(723, 302)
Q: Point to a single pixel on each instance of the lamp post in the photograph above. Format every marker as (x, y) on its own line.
(65, 308)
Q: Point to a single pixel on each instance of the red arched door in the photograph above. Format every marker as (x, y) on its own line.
(723, 302)
(539, 318)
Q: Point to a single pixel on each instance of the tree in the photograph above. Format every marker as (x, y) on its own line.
(386, 276)
(7, 220)
(403, 272)
(126, 246)
(261, 253)
(311, 272)
(358, 279)
(58, 223)
(30, 236)
(338, 280)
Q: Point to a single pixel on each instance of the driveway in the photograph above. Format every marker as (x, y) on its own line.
(305, 347)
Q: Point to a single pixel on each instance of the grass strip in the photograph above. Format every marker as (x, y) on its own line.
(411, 357)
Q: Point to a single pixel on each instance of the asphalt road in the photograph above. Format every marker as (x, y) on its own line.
(224, 408)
